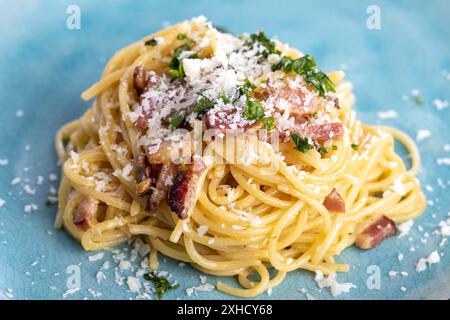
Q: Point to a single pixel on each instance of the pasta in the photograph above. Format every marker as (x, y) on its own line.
(255, 206)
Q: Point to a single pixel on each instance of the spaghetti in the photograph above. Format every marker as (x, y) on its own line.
(297, 206)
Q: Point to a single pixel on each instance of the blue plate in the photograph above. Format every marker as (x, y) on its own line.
(45, 66)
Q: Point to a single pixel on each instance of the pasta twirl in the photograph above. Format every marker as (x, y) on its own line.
(234, 209)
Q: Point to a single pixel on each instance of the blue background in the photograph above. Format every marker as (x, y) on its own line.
(44, 67)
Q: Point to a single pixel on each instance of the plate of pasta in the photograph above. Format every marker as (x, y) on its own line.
(209, 164)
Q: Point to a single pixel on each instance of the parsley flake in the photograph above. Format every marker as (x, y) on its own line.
(203, 106)
(253, 110)
(162, 285)
(322, 150)
(247, 88)
(177, 119)
(224, 98)
(269, 123)
(306, 67)
(151, 42)
(263, 40)
(301, 144)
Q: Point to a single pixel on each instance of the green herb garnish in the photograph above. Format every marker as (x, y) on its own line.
(181, 36)
(253, 110)
(319, 81)
(49, 202)
(175, 65)
(247, 88)
(176, 69)
(269, 123)
(263, 40)
(224, 98)
(177, 119)
(162, 285)
(151, 42)
(322, 150)
(299, 66)
(301, 144)
(418, 100)
(306, 67)
(355, 146)
(203, 106)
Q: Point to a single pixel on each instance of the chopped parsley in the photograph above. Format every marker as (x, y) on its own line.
(263, 40)
(175, 65)
(176, 69)
(181, 36)
(177, 119)
(151, 42)
(355, 146)
(319, 81)
(247, 88)
(253, 110)
(224, 98)
(299, 66)
(418, 100)
(301, 144)
(306, 67)
(49, 202)
(269, 123)
(203, 106)
(322, 150)
(162, 285)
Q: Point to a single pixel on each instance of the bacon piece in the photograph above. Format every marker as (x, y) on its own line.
(302, 102)
(140, 80)
(164, 153)
(141, 123)
(183, 192)
(375, 233)
(225, 120)
(324, 132)
(143, 175)
(334, 100)
(85, 213)
(163, 183)
(334, 202)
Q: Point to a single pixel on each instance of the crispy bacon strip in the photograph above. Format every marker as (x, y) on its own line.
(324, 132)
(375, 233)
(140, 80)
(85, 213)
(183, 192)
(164, 153)
(301, 105)
(163, 183)
(141, 123)
(223, 120)
(334, 202)
(143, 175)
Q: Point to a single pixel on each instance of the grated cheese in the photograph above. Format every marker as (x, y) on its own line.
(423, 134)
(389, 114)
(330, 282)
(405, 228)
